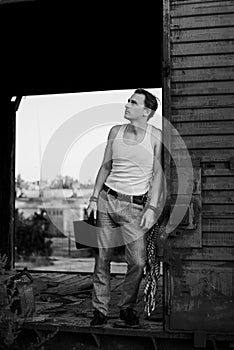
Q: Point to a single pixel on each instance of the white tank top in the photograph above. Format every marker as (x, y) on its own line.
(132, 165)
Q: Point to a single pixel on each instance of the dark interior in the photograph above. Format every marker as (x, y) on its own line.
(64, 47)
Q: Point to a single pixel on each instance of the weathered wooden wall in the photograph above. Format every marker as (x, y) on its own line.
(199, 85)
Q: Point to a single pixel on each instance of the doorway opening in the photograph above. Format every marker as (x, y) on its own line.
(60, 142)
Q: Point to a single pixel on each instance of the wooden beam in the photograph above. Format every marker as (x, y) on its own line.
(7, 180)
(8, 2)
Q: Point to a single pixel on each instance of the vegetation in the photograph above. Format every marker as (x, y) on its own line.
(32, 235)
(59, 182)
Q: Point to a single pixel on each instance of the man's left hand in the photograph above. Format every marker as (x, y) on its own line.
(148, 219)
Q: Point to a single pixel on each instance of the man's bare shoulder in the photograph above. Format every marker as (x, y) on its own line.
(156, 130)
(114, 131)
(156, 134)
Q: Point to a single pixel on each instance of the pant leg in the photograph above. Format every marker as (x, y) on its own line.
(101, 277)
(135, 257)
(135, 254)
(118, 223)
(101, 280)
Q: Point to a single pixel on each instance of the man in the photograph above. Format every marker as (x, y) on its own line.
(131, 166)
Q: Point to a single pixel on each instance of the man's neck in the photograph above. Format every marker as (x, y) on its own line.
(137, 128)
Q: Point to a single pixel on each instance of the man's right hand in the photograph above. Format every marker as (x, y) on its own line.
(92, 208)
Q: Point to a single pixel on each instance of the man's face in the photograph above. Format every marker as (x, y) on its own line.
(135, 108)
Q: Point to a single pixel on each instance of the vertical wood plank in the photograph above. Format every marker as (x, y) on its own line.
(7, 183)
(166, 95)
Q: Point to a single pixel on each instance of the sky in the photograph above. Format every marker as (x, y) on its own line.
(65, 134)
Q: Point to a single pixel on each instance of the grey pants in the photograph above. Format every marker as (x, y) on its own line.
(119, 221)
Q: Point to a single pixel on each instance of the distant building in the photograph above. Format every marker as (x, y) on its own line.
(63, 206)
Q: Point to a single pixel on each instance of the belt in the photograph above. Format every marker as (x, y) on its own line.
(141, 199)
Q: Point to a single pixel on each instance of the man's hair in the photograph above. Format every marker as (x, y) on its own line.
(150, 100)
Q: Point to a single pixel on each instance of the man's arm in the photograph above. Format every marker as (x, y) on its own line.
(104, 171)
(149, 216)
(156, 186)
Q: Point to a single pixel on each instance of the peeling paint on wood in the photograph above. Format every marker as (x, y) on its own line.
(202, 88)
(197, 35)
(218, 183)
(220, 197)
(199, 61)
(200, 102)
(204, 8)
(190, 182)
(203, 299)
(218, 224)
(225, 211)
(203, 141)
(216, 20)
(199, 114)
(204, 128)
(208, 254)
(220, 239)
(203, 74)
(206, 155)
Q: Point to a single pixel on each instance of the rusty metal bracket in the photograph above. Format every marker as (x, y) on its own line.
(200, 339)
